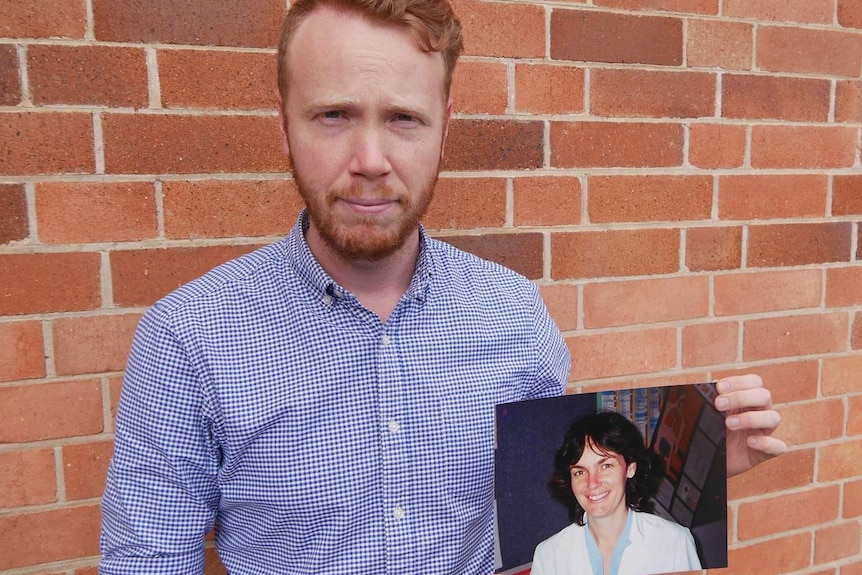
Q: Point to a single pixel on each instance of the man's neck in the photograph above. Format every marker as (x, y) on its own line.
(378, 284)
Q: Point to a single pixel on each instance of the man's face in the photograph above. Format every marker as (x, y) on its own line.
(364, 124)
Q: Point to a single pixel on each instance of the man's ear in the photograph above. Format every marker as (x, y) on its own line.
(282, 125)
(449, 107)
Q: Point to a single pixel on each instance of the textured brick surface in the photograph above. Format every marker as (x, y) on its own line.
(787, 512)
(493, 145)
(46, 143)
(13, 213)
(74, 212)
(546, 89)
(649, 198)
(847, 195)
(791, 49)
(40, 283)
(500, 29)
(803, 11)
(645, 301)
(796, 335)
(848, 104)
(840, 461)
(251, 23)
(229, 208)
(27, 477)
(85, 468)
(21, 350)
(763, 197)
(54, 535)
(796, 421)
(593, 36)
(709, 344)
(521, 252)
(638, 93)
(787, 381)
(718, 44)
(610, 144)
(850, 13)
(562, 302)
(136, 144)
(622, 353)
(10, 83)
(93, 344)
(689, 6)
(464, 203)
(547, 201)
(716, 145)
(798, 244)
(44, 19)
(844, 286)
(792, 470)
(94, 75)
(50, 410)
(775, 97)
(614, 253)
(786, 554)
(841, 374)
(480, 87)
(802, 147)
(756, 292)
(713, 248)
(216, 79)
(837, 542)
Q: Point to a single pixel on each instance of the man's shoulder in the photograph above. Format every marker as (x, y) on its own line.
(457, 262)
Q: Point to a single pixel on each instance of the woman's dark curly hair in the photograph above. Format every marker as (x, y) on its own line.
(606, 431)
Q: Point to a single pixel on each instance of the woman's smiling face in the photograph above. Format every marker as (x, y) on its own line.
(599, 481)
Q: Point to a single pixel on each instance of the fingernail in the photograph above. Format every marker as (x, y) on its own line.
(752, 441)
(733, 423)
(722, 402)
(722, 386)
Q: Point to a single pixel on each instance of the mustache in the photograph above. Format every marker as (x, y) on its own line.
(377, 191)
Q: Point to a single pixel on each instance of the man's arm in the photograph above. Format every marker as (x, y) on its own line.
(750, 422)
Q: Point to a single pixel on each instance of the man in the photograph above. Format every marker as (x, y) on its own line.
(327, 401)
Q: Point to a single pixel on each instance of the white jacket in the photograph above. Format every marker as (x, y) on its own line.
(656, 546)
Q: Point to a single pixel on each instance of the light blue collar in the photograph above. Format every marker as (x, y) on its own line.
(596, 556)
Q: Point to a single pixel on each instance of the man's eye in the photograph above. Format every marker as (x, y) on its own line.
(332, 114)
(404, 118)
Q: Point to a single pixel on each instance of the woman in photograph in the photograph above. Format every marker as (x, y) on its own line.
(603, 474)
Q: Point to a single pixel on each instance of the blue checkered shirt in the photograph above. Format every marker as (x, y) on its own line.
(265, 399)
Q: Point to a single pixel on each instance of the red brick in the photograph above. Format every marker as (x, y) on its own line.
(10, 84)
(687, 6)
(614, 253)
(710, 344)
(762, 197)
(547, 201)
(847, 195)
(622, 353)
(802, 11)
(480, 87)
(46, 143)
(521, 252)
(642, 93)
(93, 75)
(843, 286)
(50, 411)
(803, 146)
(837, 542)
(792, 470)
(44, 19)
(229, 208)
(841, 375)
(87, 571)
(649, 198)
(818, 51)
(765, 291)
(610, 144)
(850, 13)
(47, 536)
(852, 499)
(217, 79)
(593, 36)
(798, 244)
(141, 277)
(549, 89)
(27, 477)
(645, 301)
(786, 381)
(851, 568)
(848, 101)
(562, 302)
(494, 145)
(788, 512)
(854, 415)
(504, 30)
(716, 145)
(212, 562)
(43, 283)
(796, 421)
(22, 355)
(713, 248)
(115, 387)
(465, 203)
(14, 224)
(85, 467)
(795, 335)
(840, 460)
(93, 344)
(775, 97)
(772, 557)
(136, 144)
(81, 212)
(857, 331)
(253, 23)
(719, 44)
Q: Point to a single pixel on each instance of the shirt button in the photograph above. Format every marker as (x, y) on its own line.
(385, 340)
(327, 299)
(397, 513)
(393, 426)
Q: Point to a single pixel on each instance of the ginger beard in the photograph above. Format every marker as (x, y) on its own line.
(370, 238)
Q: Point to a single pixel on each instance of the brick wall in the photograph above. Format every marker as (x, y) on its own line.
(682, 178)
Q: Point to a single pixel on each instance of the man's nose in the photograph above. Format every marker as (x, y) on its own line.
(370, 152)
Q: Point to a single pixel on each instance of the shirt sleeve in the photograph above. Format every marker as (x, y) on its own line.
(553, 360)
(161, 494)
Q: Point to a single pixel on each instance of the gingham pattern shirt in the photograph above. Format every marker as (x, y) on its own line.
(264, 398)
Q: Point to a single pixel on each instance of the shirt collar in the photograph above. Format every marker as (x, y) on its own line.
(595, 555)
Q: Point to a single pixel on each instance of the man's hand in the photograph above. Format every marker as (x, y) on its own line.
(750, 422)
